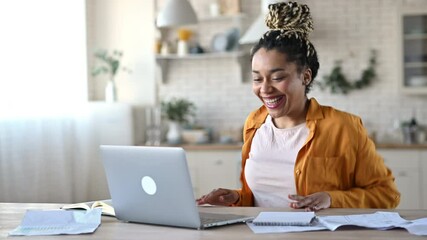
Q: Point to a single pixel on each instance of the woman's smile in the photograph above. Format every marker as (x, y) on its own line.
(273, 102)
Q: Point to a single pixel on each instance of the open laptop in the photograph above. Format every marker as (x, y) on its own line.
(152, 185)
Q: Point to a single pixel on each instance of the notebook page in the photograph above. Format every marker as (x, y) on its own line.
(284, 219)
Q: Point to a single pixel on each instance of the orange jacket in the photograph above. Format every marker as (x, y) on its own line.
(338, 158)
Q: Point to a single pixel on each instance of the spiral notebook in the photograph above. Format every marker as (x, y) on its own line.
(284, 219)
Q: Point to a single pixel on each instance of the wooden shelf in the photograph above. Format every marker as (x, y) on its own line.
(211, 55)
(163, 60)
(239, 56)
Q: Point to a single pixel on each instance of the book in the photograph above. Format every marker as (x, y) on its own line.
(284, 219)
(105, 205)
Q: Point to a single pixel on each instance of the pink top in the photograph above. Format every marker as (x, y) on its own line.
(269, 170)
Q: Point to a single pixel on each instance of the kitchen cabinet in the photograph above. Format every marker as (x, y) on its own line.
(405, 165)
(423, 168)
(213, 169)
(414, 53)
(220, 168)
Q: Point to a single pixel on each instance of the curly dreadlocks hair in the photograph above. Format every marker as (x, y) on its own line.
(290, 24)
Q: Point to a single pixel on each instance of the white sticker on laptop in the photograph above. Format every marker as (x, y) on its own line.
(148, 185)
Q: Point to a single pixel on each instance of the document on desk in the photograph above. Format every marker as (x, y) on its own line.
(379, 220)
(417, 227)
(54, 222)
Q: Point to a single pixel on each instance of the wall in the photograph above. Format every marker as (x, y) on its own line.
(345, 30)
(125, 25)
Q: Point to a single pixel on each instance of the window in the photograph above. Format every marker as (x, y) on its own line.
(42, 57)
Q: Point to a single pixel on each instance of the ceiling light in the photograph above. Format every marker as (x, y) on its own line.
(176, 13)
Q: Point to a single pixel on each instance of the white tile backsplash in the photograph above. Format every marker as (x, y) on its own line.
(345, 30)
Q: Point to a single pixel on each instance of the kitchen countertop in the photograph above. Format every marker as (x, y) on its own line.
(237, 146)
(210, 146)
(401, 146)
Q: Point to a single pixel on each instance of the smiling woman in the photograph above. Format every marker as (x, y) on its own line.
(296, 152)
(43, 57)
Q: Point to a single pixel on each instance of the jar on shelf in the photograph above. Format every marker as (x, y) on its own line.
(183, 39)
(165, 48)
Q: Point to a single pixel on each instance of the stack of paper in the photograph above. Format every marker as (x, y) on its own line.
(53, 222)
(378, 220)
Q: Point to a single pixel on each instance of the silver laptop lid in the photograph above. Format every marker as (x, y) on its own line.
(150, 185)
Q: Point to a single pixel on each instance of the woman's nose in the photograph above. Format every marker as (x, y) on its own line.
(266, 86)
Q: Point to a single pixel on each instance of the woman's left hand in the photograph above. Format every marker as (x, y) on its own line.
(313, 202)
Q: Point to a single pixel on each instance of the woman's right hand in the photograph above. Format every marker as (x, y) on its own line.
(220, 196)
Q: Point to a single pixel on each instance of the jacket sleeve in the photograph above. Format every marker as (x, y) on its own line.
(374, 182)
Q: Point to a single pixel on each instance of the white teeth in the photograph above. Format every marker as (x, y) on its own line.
(272, 100)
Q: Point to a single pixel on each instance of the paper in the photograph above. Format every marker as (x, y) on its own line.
(378, 220)
(315, 226)
(284, 219)
(54, 222)
(417, 227)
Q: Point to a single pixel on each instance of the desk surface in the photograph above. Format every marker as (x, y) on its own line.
(11, 215)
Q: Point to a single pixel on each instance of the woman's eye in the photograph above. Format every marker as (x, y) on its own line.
(257, 79)
(278, 78)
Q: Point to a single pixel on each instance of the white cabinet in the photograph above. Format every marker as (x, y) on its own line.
(405, 165)
(214, 169)
(423, 168)
(210, 169)
(414, 53)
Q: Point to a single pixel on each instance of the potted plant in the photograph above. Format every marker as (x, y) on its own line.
(109, 64)
(177, 111)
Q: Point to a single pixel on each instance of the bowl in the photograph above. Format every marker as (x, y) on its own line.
(195, 136)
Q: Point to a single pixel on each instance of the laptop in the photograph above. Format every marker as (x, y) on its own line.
(152, 185)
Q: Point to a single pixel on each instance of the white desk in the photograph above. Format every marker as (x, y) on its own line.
(11, 215)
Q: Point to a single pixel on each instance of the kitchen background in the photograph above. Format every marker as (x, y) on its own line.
(344, 30)
(56, 158)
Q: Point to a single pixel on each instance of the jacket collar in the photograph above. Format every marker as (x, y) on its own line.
(314, 111)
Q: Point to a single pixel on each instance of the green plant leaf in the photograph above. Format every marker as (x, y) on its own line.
(178, 109)
(108, 63)
(338, 83)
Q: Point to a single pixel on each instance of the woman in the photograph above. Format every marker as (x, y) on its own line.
(296, 152)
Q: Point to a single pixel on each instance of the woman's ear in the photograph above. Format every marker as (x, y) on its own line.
(306, 76)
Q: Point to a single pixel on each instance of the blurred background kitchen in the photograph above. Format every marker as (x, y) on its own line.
(60, 100)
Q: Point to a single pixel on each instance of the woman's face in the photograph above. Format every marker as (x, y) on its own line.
(278, 84)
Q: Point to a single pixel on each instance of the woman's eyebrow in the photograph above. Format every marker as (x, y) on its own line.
(271, 71)
(276, 70)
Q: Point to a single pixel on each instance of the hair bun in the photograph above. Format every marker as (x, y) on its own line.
(289, 16)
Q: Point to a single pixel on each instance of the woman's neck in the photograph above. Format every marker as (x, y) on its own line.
(295, 119)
